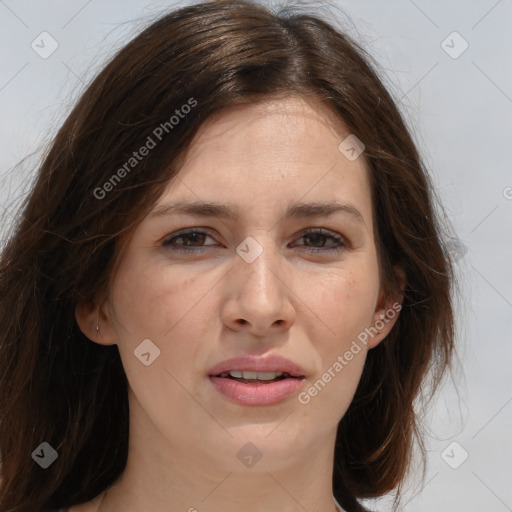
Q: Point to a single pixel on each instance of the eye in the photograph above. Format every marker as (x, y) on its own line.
(317, 236)
(194, 241)
(193, 235)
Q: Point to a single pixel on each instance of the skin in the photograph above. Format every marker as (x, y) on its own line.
(203, 308)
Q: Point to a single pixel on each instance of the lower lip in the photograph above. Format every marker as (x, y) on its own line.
(257, 393)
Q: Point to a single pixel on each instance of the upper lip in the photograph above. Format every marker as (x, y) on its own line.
(272, 363)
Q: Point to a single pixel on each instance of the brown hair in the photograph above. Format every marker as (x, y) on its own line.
(57, 386)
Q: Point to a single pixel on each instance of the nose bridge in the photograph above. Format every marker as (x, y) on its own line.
(258, 294)
(260, 263)
(260, 276)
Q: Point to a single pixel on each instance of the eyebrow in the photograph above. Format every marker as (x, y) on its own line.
(232, 212)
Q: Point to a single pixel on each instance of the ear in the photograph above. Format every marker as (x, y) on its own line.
(90, 317)
(386, 312)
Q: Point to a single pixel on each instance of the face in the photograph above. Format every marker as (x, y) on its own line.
(274, 280)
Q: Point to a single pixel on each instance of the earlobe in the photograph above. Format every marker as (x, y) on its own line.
(85, 314)
(387, 312)
(89, 319)
(383, 321)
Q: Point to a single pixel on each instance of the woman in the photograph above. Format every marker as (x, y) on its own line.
(227, 285)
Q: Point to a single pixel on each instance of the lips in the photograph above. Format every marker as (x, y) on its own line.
(273, 363)
(250, 380)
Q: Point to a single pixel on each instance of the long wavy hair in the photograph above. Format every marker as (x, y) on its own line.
(57, 386)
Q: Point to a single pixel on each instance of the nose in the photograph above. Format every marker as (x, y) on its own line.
(259, 298)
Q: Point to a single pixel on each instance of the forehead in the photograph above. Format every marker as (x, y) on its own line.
(287, 128)
(269, 155)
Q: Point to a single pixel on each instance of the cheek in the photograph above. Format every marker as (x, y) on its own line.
(344, 305)
(152, 298)
(343, 301)
(157, 302)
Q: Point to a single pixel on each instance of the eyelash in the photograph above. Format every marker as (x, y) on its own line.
(340, 244)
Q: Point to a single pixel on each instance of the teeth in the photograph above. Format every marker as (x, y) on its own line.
(255, 375)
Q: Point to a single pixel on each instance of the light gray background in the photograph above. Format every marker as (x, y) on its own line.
(460, 112)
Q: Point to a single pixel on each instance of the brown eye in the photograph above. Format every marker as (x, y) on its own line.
(318, 237)
(193, 241)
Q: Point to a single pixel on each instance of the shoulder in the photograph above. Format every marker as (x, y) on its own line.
(357, 507)
(360, 509)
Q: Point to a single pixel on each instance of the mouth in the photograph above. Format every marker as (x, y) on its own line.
(256, 388)
(256, 380)
(248, 377)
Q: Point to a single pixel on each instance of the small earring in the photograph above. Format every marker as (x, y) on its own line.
(97, 323)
